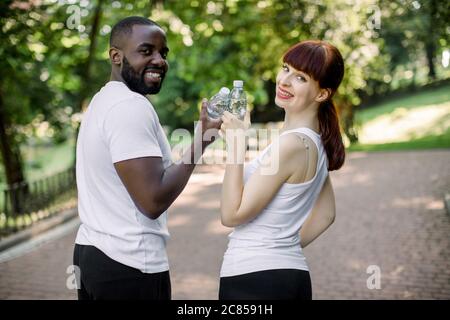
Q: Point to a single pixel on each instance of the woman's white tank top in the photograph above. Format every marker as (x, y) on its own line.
(272, 240)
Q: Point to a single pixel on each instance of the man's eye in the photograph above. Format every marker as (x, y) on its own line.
(145, 51)
(164, 55)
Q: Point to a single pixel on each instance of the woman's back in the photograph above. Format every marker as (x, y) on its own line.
(271, 240)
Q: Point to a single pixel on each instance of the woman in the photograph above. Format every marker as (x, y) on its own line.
(276, 215)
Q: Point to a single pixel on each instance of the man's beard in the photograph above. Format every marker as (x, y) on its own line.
(135, 82)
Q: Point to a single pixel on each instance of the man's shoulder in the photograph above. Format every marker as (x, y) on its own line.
(116, 95)
(116, 92)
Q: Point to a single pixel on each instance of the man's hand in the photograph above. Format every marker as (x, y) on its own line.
(207, 128)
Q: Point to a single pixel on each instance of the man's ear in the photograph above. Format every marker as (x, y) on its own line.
(323, 95)
(115, 55)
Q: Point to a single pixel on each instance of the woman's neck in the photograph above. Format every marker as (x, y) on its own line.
(301, 120)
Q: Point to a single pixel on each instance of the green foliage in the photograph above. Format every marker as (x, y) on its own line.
(211, 44)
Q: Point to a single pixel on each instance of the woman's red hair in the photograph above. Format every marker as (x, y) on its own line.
(324, 63)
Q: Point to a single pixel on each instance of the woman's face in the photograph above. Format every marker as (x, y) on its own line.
(295, 90)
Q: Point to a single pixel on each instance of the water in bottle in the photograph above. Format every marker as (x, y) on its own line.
(219, 103)
(238, 99)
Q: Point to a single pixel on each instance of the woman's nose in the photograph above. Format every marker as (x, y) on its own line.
(285, 80)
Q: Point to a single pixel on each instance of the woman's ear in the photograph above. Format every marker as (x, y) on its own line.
(115, 55)
(323, 95)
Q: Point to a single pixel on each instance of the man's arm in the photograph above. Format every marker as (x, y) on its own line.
(153, 188)
(321, 217)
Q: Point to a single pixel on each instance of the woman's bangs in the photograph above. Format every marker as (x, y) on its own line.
(308, 58)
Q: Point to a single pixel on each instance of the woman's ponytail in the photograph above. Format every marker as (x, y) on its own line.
(331, 135)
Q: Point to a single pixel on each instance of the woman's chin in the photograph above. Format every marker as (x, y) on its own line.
(279, 104)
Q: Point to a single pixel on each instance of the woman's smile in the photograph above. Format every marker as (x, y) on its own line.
(283, 94)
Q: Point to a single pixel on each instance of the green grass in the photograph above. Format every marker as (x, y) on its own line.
(419, 121)
(428, 97)
(428, 142)
(44, 161)
(39, 162)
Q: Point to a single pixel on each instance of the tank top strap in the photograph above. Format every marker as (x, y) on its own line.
(314, 136)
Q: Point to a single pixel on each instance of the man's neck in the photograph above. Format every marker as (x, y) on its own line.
(115, 76)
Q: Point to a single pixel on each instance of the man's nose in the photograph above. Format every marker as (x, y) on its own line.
(158, 60)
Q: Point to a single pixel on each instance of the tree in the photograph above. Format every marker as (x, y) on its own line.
(50, 69)
(20, 66)
(86, 65)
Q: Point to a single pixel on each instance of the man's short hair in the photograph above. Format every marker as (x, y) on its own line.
(125, 27)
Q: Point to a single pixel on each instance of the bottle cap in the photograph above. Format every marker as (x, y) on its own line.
(238, 83)
(224, 90)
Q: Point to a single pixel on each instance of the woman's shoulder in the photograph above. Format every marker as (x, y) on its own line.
(288, 151)
(296, 144)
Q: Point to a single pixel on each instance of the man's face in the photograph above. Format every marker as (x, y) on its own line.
(144, 63)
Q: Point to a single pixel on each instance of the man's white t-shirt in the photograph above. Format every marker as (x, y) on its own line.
(118, 125)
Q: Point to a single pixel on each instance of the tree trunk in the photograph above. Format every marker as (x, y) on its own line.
(430, 45)
(9, 151)
(86, 76)
(12, 163)
(431, 52)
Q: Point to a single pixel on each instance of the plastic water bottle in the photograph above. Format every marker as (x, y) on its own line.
(219, 103)
(238, 99)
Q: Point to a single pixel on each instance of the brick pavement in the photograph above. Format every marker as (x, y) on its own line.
(390, 213)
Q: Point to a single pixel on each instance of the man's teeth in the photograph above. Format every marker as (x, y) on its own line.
(152, 75)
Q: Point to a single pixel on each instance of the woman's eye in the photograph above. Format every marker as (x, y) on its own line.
(285, 67)
(301, 78)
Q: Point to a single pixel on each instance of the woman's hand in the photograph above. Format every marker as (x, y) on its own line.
(234, 131)
(231, 122)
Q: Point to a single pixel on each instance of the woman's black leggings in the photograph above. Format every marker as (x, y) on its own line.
(280, 284)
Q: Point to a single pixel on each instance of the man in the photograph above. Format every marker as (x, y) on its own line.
(125, 177)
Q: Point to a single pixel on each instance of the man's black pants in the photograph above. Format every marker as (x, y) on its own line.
(102, 278)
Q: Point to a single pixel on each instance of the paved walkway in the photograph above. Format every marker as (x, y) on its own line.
(390, 215)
